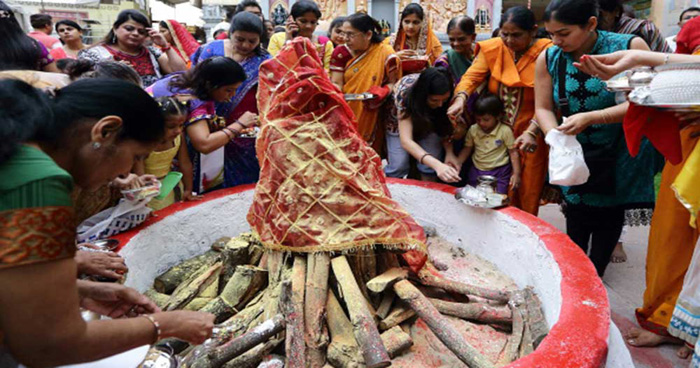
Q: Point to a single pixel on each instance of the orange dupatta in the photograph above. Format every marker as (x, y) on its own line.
(428, 42)
(375, 67)
(514, 84)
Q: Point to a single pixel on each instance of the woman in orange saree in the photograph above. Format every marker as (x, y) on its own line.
(507, 63)
(365, 64)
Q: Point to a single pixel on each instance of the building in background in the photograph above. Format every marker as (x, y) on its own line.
(95, 16)
(665, 14)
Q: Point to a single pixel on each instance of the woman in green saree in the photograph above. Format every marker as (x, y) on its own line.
(90, 133)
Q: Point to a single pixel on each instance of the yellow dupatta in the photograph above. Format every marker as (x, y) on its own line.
(687, 185)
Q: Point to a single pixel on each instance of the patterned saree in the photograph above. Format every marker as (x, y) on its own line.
(36, 215)
(321, 185)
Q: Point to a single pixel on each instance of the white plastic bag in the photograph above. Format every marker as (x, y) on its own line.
(114, 220)
(566, 163)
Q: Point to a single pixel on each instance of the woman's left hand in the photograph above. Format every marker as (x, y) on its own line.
(110, 264)
(514, 182)
(575, 124)
(157, 37)
(114, 300)
(526, 143)
(133, 181)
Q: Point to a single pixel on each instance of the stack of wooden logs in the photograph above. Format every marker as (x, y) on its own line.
(322, 310)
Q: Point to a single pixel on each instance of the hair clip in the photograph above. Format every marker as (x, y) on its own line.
(5, 14)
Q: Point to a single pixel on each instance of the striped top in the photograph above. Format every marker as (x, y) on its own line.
(646, 30)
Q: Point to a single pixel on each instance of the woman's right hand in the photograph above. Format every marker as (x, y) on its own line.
(456, 109)
(191, 326)
(292, 28)
(608, 65)
(447, 173)
(248, 119)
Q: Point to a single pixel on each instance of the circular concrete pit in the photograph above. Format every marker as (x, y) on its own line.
(530, 251)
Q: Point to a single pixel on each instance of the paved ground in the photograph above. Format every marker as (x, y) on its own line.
(625, 285)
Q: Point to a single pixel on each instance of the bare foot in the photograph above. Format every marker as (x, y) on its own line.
(618, 255)
(684, 352)
(642, 338)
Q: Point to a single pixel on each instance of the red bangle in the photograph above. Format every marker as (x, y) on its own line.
(166, 48)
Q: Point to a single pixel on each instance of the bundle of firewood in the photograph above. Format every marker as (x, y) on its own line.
(323, 310)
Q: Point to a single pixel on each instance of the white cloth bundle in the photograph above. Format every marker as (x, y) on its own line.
(566, 163)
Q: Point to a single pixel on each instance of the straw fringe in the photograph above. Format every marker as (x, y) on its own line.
(405, 244)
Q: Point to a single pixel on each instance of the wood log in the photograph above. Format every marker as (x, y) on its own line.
(387, 260)
(343, 350)
(159, 298)
(192, 286)
(317, 274)
(478, 312)
(197, 304)
(235, 252)
(167, 282)
(526, 346)
(396, 341)
(245, 283)
(364, 267)
(380, 283)
(220, 243)
(512, 348)
(295, 345)
(385, 304)
(440, 326)
(364, 326)
(247, 341)
(398, 315)
(255, 253)
(428, 276)
(239, 323)
(254, 357)
(535, 320)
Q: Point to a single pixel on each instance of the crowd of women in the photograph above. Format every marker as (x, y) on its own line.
(144, 102)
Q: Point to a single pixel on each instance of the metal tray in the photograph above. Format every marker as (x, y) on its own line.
(359, 96)
(642, 100)
(506, 203)
(618, 83)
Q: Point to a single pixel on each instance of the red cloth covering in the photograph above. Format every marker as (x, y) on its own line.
(321, 186)
(688, 38)
(660, 127)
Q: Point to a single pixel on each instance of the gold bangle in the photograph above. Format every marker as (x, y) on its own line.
(155, 324)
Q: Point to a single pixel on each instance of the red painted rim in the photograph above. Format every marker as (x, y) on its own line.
(578, 339)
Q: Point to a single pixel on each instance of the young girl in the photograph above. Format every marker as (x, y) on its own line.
(492, 144)
(159, 162)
